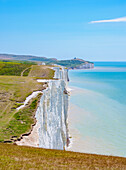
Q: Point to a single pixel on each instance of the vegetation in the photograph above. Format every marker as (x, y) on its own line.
(13, 67)
(13, 91)
(26, 71)
(67, 63)
(21, 157)
(20, 123)
(41, 72)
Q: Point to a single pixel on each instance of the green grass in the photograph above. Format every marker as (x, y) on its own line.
(16, 89)
(41, 72)
(13, 91)
(13, 67)
(21, 157)
(26, 72)
(20, 123)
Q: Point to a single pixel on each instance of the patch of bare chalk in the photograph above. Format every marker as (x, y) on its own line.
(33, 95)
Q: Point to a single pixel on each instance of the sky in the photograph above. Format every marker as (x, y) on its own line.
(93, 30)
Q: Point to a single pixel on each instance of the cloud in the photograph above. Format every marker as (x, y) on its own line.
(122, 19)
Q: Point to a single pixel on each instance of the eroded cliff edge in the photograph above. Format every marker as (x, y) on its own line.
(51, 114)
(51, 130)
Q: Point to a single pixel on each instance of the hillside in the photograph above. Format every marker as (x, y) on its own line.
(15, 68)
(73, 63)
(18, 81)
(20, 157)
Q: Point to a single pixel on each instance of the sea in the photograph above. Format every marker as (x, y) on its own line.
(99, 96)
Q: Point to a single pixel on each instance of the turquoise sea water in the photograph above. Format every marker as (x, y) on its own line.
(102, 96)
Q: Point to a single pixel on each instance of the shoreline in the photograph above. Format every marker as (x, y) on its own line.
(32, 139)
(81, 141)
(29, 139)
(77, 143)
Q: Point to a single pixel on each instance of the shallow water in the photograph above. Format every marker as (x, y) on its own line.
(100, 101)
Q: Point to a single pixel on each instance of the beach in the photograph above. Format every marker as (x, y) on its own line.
(32, 139)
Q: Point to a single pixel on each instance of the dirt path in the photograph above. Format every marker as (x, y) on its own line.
(24, 71)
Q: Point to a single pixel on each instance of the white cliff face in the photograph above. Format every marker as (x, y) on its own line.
(85, 66)
(61, 73)
(51, 114)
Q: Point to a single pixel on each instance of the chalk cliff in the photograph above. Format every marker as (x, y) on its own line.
(51, 114)
(86, 65)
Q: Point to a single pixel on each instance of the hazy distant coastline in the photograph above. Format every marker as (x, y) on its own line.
(75, 63)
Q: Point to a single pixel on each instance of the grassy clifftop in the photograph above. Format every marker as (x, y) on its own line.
(20, 157)
(41, 71)
(13, 91)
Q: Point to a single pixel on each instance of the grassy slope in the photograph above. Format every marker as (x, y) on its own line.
(20, 123)
(13, 91)
(41, 71)
(20, 157)
(13, 67)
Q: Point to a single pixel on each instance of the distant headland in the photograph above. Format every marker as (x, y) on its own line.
(75, 63)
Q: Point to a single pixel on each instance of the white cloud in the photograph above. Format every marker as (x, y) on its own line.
(122, 19)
